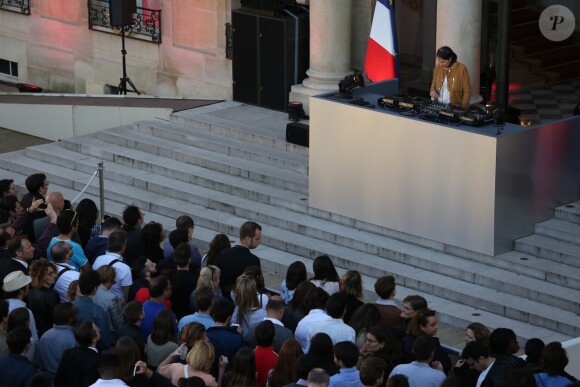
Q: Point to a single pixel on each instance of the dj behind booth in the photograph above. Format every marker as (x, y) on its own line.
(459, 178)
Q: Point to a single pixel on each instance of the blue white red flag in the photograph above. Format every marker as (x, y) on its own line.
(382, 60)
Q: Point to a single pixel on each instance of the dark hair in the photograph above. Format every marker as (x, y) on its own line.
(321, 353)
(392, 350)
(416, 301)
(63, 313)
(88, 282)
(447, 53)
(243, 372)
(158, 286)
(297, 302)
(41, 379)
(420, 320)
(204, 297)
(423, 348)
(265, 333)
(184, 222)
(385, 286)
(222, 309)
(295, 274)
(163, 327)
(533, 349)
(365, 317)
(286, 369)
(554, 358)
(132, 311)
(255, 272)
(109, 366)
(139, 267)
(8, 203)
(182, 255)
(351, 284)
(17, 339)
(111, 223)
(324, 269)
(474, 350)
(3, 309)
(15, 244)
(88, 213)
(219, 243)
(315, 299)
(523, 377)
(248, 229)
(85, 333)
(318, 376)
(131, 216)
(59, 251)
(371, 369)
(192, 381)
(5, 186)
(19, 317)
(128, 352)
(117, 241)
(347, 352)
(151, 236)
(398, 380)
(336, 305)
(66, 221)
(275, 304)
(500, 340)
(178, 236)
(34, 182)
(4, 236)
(454, 381)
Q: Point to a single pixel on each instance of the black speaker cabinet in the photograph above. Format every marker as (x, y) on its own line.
(121, 12)
(297, 133)
(270, 54)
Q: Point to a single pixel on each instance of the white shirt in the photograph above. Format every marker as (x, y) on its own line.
(123, 277)
(14, 303)
(329, 287)
(335, 328)
(63, 282)
(108, 383)
(444, 93)
(483, 374)
(303, 327)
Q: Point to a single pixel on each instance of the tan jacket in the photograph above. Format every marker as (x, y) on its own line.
(458, 83)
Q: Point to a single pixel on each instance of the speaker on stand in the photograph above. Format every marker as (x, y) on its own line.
(121, 15)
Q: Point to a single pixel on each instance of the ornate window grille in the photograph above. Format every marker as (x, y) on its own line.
(146, 22)
(17, 6)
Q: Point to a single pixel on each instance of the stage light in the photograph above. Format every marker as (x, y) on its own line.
(295, 111)
(27, 88)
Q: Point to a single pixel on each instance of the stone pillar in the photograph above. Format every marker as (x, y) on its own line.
(330, 49)
(459, 27)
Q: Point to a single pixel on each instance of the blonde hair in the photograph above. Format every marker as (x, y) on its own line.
(207, 275)
(201, 356)
(107, 273)
(246, 295)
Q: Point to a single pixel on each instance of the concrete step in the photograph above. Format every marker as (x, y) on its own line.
(549, 248)
(248, 123)
(232, 147)
(559, 229)
(569, 212)
(140, 157)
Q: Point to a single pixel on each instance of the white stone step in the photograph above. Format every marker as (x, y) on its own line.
(549, 248)
(559, 229)
(569, 212)
(170, 131)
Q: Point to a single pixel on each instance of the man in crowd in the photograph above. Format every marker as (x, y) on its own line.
(114, 258)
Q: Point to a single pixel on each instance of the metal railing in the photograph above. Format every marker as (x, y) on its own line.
(16, 6)
(146, 24)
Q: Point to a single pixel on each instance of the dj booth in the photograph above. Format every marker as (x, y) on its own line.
(463, 186)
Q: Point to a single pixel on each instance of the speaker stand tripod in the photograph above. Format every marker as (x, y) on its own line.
(123, 84)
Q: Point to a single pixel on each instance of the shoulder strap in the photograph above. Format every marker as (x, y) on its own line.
(64, 270)
(113, 262)
(185, 372)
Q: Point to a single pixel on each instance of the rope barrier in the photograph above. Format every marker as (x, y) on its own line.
(86, 186)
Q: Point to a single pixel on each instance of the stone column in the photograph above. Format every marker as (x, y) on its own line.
(330, 49)
(459, 27)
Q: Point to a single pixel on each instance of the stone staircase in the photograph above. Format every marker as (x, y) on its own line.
(226, 163)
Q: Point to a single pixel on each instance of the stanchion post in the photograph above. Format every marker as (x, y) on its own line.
(102, 189)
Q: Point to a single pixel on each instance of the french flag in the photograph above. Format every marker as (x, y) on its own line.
(382, 60)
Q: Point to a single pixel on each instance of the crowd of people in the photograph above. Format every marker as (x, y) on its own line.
(109, 302)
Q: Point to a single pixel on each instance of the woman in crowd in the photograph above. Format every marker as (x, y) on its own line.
(161, 341)
(37, 186)
(133, 371)
(474, 332)
(133, 219)
(191, 334)
(73, 291)
(10, 209)
(248, 312)
(42, 298)
(351, 287)
(295, 274)
(321, 354)
(209, 277)
(425, 323)
(199, 361)
(219, 243)
(106, 299)
(552, 373)
(243, 372)
(411, 304)
(8, 188)
(381, 343)
(255, 273)
(451, 84)
(296, 310)
(286, 370)
(366, 317)
(89, 226)
(151, 238)
(325, 275)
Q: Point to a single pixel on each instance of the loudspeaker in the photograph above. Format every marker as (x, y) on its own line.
(298, 134)
(121, 12)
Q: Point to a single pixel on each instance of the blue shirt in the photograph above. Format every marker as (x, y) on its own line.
(543, 379)
(89, 311)
(78, 258)
(151, 308)
(203, 318)
(419, 374)
(347, 377)
(17, 371)
(52, 345)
